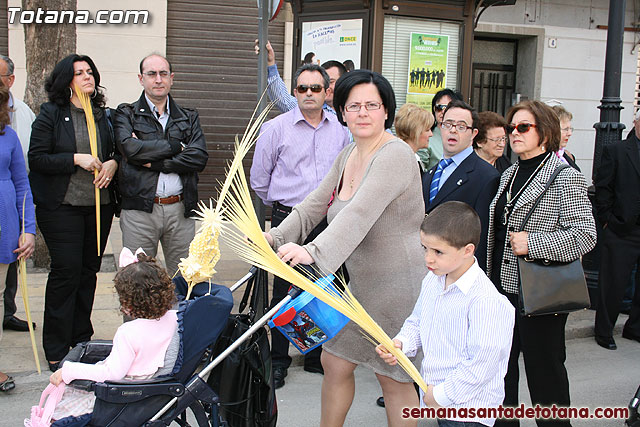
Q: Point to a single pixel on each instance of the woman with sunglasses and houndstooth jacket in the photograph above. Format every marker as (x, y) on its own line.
(561, 228)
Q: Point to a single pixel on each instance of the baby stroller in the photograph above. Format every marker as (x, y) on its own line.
(162, 400)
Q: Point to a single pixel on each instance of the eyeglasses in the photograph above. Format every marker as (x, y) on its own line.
(520, 127)
(356, 106)
(496, 140)
(569, 129)
(460, 126)
(153, 74)
(441, 107)
(305, 88)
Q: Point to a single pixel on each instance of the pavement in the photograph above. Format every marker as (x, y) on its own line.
(598, 377)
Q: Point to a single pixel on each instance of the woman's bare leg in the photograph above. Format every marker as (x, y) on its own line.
(397, 396)
(338, 388)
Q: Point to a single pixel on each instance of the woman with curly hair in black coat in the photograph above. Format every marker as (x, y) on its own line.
(63, 185)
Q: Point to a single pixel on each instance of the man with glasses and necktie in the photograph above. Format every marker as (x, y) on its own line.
(163, 149)
(430, 156)
(293, 154)
(461, 175)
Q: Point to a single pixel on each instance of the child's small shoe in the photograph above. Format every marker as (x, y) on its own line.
(7, 385)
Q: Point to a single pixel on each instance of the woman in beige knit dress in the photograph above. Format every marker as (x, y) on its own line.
(375, 209)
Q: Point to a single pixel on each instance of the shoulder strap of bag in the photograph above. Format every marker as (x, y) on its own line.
(546, 187)
(50, 397)
(247, 292)
(107, 112)
(260, 296)
(256, 294)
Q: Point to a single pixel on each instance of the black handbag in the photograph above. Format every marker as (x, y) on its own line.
(550, 287)
(244, 380)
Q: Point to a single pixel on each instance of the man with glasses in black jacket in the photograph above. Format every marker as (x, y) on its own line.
(163, 149)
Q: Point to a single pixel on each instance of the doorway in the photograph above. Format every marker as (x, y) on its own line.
(494, 74)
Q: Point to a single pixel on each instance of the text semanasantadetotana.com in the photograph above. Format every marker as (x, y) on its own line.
(520, 412)
(41, 16)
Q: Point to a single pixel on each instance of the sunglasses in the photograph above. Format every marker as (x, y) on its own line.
(520, 127)
(305, 88)
(441, 107)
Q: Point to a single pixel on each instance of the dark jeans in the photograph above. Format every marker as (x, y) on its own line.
(70, 234)
(10, 291)
(279, 343)
(619, 257)
(541, 341)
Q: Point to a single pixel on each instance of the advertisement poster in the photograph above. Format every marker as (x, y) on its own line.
(339, 40)
(428, 57)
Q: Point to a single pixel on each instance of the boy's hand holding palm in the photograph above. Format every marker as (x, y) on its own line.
(390, 359)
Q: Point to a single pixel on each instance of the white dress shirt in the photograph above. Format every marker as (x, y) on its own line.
(457, 159)
(21, 118)
(465, 333)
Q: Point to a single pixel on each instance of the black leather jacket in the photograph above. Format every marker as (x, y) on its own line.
(180, 149)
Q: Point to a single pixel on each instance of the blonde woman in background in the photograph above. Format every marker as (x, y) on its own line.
(413, 125)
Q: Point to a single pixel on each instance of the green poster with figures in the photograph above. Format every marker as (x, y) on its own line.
(428, 57)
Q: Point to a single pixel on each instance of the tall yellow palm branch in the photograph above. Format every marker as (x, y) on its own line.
(22, 282)
(85, 101)
(204, 251)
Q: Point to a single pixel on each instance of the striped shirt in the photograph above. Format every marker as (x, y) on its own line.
(292, 157)
(465, 333)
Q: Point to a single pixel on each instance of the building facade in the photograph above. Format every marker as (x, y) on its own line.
(552, 50)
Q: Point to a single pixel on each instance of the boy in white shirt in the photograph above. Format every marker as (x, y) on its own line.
(461, 322)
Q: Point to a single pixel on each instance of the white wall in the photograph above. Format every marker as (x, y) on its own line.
(573, 71)
(116, 49)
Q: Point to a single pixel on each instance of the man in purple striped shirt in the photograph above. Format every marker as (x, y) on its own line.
(294, 153)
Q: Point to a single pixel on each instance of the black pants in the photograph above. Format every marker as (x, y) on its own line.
(280, 344)
(10, 291)
(70, 234)
(541, 341)
(619, 256)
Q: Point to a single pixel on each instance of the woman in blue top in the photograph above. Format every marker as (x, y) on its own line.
(14, 194)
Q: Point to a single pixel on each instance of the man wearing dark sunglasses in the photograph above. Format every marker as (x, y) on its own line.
(461, 175)
(293, 154)
(278, 92)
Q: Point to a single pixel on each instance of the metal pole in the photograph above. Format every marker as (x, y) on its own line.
(263, 36)
(609, 129)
